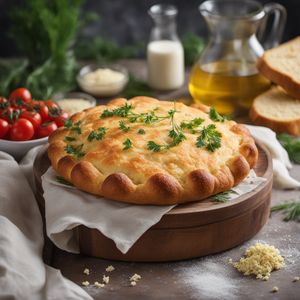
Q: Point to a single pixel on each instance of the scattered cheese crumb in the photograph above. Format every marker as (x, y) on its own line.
(275, 289)
(86, 271)
(110, 269)
(85, 283)
(135, 277)
(230, 260)
(99, 285)
(133, 283)
(260, 260)
(105, 279)
(296, 278)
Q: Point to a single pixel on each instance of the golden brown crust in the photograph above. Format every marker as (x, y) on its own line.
(291, 86)
(278, 126)
(183, 173)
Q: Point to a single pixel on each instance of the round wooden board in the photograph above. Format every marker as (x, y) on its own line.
(187, 231)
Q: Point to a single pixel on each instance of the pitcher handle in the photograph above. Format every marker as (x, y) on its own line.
(273, 38)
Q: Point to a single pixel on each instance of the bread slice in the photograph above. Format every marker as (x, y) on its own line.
(281, 65)
(277, 110)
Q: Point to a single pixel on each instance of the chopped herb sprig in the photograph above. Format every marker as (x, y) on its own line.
(123, 127)
(97, 135)
(75, 150)
(215, 116)
(127, 144)
(73, 126)
(291, 210)
(209, 138)
(224, 196)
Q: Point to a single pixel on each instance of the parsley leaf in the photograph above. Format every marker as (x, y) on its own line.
(123, 127)
(75, 150)
(215, 116)
(141, 131)
(73, 126)
(127, 144)
(192, 124)
(153, 146)
(209, 138)
(121, 111)
(98, 135)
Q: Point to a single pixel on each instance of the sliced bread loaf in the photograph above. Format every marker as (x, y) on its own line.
(277, 110)
(282, 66)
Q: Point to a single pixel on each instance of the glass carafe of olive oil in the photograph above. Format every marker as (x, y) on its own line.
(225, 76)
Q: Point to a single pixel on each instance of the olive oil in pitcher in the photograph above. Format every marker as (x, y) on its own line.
(225, 76)
(223, 85)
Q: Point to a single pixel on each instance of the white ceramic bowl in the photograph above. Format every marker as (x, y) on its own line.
(102, 90)
(19, 148)
(91, 101)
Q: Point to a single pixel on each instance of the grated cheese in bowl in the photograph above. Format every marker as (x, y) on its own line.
(260, 260)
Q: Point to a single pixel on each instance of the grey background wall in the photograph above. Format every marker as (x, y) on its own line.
(127, 21)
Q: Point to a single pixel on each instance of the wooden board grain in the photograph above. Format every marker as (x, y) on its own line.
(189, 230)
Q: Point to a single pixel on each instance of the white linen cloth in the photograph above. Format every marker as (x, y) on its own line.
(281, 161)
(23, 274)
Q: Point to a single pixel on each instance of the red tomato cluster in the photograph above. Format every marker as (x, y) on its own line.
(22, 118)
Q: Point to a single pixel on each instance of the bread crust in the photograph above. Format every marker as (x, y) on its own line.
(181, 174)
(279, 126)
(285, 80)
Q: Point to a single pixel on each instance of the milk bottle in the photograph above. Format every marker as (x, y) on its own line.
(165, 56)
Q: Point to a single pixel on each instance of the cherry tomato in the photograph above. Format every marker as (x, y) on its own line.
(21, 130)
(46, 129)
(41, 108)
(51, 104)
(10, 114)
(4, 128)
(20, 97)
(32, 116)
(60, 120)
(3, 103)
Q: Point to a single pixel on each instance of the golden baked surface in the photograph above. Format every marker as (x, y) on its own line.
(147, 151)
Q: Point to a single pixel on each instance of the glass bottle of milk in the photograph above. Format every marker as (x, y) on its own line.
(165, 57)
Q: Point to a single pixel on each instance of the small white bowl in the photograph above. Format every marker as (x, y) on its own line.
(91, 101)
(102, 90)
(19, 148)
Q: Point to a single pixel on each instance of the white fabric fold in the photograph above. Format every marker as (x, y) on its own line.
(67, 208)
(281, 161)
(23, 274)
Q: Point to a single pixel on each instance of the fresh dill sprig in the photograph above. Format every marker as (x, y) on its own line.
(97, 135)
(123, 127)
(291, 210)
(61, 180)
(127, 144)
(75, 150)
(215, 116)
(209, 138)
(224, 196)
(73, 126)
